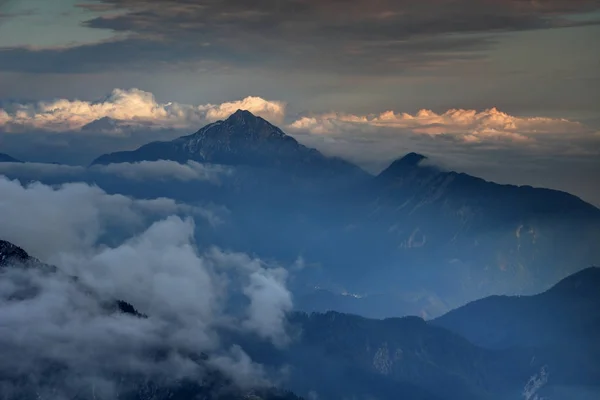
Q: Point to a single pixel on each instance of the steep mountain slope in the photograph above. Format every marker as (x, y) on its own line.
(480, 237)
(418, 185)
(346, 356)
(9, 253)
(7, 158)
(560, 326)
(569, 312)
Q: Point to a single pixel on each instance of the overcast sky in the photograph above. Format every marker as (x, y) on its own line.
(504, 89)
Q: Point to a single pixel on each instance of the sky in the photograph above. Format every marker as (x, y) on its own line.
(503, 89)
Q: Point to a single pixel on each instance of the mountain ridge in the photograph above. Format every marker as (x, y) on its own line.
(336, 355)
(569, 309)
(241, 139)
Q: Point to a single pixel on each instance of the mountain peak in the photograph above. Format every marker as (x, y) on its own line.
(244, 118)
(411, 159)
(241, 139)
(10, 253)
(242, 124)
(242, 115)
(409, 162)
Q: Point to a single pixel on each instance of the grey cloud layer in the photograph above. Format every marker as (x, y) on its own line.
(74, 216)
(141, 171)
(157, 269)
(165, 170)
(347, 36)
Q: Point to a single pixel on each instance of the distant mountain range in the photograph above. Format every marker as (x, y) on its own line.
(415, 234)
(413, 240)
(336, 356)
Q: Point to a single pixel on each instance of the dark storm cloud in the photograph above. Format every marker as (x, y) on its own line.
(135, 53)
(364, 19)
(354, 36)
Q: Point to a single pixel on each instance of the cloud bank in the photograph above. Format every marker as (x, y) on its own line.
(125, 110)
(161, 170)
(59, 340)
(165, 170)
(74, 216)
(464, 125)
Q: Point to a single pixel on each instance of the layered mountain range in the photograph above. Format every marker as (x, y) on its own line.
(489, 349)
(415, 239)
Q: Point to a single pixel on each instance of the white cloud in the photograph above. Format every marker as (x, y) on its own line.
(49, 221)
(247, 373)
(125, 110)
(165, 170)
(40, 170)
(134, 109)
(162, 170)
(158, 270)
(465, 125)
(266, 291)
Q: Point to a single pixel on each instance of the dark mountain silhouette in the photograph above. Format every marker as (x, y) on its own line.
(408, 179)
(7, 158)
(346, 356)
(569, 312)
(560, 326)
(241, 139)
(418, 361)
(10, 253)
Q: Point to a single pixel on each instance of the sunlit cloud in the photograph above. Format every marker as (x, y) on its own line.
(465, 125)
(124, 110)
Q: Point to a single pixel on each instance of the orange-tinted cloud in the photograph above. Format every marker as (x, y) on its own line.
(126, 109)
(466, 125)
